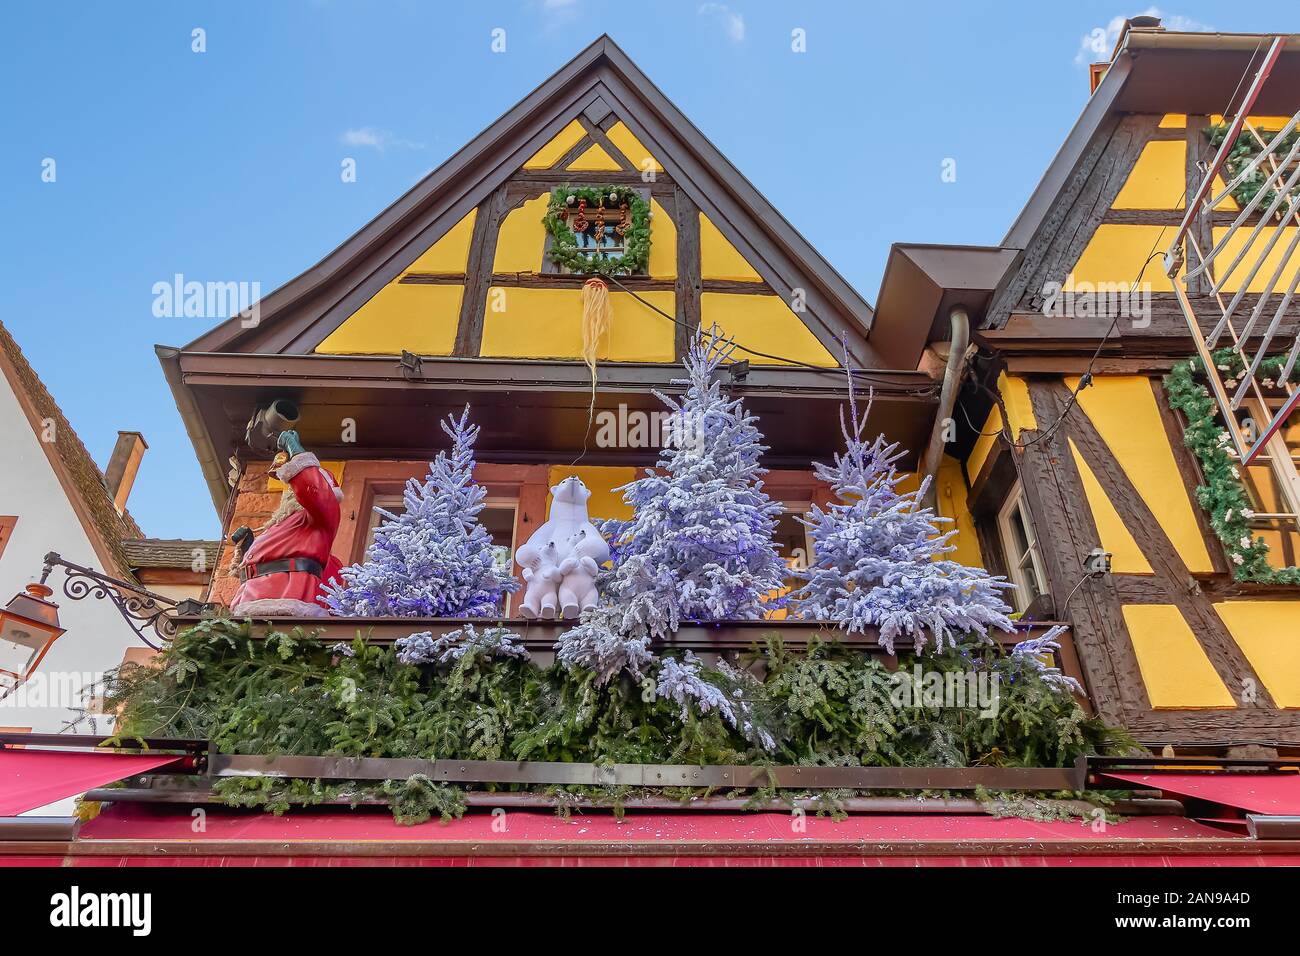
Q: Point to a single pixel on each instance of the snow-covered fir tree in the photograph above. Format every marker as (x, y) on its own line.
(699, 544)
(435, 559)
(878, 554)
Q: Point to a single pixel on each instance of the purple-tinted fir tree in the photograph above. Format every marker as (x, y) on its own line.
(435, 559)
(699, 544)
(878, 554)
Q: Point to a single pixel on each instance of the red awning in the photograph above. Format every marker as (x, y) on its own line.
(1273, 794)
(33, 778)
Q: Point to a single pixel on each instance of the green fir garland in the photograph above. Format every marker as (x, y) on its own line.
(1222, 495)
(287, 693)
(1245, 149)
(564, 250)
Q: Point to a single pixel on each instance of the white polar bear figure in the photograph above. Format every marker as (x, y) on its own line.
(560, 532)
(578, 572)
(543, 579)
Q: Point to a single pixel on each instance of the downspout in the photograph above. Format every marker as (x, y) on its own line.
(959, 341)
(213, 475)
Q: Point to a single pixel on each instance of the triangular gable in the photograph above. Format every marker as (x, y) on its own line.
(623, 123)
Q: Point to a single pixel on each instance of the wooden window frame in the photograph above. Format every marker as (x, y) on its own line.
(551, 268)
(7, 525)
(1016, 573)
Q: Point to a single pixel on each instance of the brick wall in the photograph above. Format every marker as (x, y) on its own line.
(253, 506)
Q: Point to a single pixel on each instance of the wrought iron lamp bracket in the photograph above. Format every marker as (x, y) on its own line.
(142, 609)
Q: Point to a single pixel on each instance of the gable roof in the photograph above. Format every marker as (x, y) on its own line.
(600, 79)
(79, 476)
(1152, 70)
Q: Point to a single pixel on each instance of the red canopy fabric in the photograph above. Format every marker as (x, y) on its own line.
(1274, 794)
(33, 778)
(134, 821)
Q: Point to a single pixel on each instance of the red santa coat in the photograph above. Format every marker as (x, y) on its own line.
(308, 533)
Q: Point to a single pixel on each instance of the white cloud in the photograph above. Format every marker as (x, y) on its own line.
(1096, 45)
(380, 139)
(732, 22)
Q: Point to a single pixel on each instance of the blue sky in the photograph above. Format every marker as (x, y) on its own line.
(224, 165)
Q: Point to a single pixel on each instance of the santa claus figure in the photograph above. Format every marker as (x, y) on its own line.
(283, 567)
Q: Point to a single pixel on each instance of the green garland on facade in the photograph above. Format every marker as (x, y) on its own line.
(1222, 495)
(287, 693)
(1245, 149)
(565, 204)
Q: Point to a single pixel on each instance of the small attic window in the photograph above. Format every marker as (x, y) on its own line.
(597, 230)
(600, 240)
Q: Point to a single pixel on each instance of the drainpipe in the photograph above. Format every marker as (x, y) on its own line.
(958, 343)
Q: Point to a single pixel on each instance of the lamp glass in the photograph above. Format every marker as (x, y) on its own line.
(20, 641)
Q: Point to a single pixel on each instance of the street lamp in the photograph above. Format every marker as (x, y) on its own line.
(29, 626)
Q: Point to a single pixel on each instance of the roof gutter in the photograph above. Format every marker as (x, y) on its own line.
(170, 359)
(1222, 42)
(957, 346)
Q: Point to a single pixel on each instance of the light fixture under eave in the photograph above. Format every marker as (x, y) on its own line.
(29, 626)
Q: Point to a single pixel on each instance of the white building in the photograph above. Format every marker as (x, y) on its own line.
(53, 497)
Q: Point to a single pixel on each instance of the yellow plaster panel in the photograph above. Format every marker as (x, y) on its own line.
(1264, 275)
(1174, 667)
(547, 323)
(451, 252)
(1158, 179)
(984, 444)
(1015, 393)
(550, 154)
(1123, 409)
(950, 490)
(631, 147)
(1116, 253)
(594, 159)
(1126, 557)
(763, 322)
(663, 243)
(719, 259)
(604, 501)
(420, 318)
(1267, 633)
(1174, 121)
(521, 238)
(1261, 123)
(1020, 409)
(335, 468)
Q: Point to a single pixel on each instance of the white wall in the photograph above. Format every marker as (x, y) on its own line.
(97, 636)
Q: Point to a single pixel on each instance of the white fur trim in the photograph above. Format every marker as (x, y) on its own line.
(296, 465)
(278, 607)
(338, 493)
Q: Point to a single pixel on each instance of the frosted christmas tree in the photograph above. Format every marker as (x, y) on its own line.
(878, 554)
(699, 545)
(435, 559)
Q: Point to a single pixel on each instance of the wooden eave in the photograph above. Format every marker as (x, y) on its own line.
(537, 409)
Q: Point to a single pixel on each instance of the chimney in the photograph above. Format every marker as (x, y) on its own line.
(122, 467)
(1097, 71)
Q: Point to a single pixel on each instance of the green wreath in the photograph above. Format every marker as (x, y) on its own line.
(568, 202)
